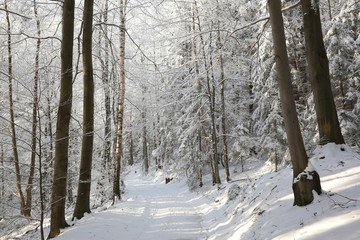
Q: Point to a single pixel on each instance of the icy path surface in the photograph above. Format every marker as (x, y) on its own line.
(151, 210)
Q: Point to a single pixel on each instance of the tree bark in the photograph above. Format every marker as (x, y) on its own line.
(202, 133)
(41, 179)
(104, 61)
(145, 143)
(12, 116)
(213, 158)
(63, 121)
(131, 142)
(144, 133)
(121, 106)
(202, 142)
(222, 95)
(107, 91)
(2, 167)
(318, 67)
(83, 195)
(34, 120)
(303, 186)
(214, 143)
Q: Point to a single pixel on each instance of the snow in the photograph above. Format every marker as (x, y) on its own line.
(151, 209)
(258, 204)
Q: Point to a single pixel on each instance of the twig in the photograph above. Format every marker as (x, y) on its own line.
(342, 205)
(18, 14)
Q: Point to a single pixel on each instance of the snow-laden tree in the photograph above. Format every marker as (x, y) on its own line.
(342, 45)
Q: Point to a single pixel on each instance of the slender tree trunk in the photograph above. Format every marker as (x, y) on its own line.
(83, 195)
(222, 93)
(318, 66)
(2, 167)
(329, 6)
(34, 120)
(159, 137)
(144, 133)
(41, 189)
(304, 180)
(131, 143)
(12, 118)
(145, 143)
(155, 140)
(107, 91)
(121, 106)
(47, 151)
(211, 98)
(104, 60)
(63, 121)
(211, 94)
(199, 88)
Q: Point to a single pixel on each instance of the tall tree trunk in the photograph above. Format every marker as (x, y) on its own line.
(121, 106)
(305, 180)
(48, 148)
(107, 91)
(211, 91)
(144, 133)
(2, 167)
(318, 66)
(155, 140)
(211, 98)
(145, 143)
(63, 121)
(131, 142)
(83, 195)
(12, 117)
(222, 93)
(104, 60)
(34, 120)
(199, 88)
(41, 179)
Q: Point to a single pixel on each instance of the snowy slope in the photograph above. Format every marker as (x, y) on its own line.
(266, 208)
(259, 205)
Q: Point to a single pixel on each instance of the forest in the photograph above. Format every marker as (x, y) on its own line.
(204, 102)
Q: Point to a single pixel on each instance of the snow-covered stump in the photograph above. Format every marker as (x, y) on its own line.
(303, 187)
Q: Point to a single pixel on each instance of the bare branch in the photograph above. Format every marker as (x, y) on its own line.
(18, 14)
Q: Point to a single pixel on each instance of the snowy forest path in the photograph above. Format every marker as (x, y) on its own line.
(150, 210)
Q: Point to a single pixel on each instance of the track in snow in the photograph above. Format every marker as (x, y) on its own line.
(153, 210)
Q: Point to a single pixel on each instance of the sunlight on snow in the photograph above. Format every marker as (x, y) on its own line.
(336, 225)
(344, 180)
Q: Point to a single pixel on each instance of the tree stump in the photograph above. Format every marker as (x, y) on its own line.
(303, 187)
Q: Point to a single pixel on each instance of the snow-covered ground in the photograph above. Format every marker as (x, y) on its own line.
(151, 210)
(258, 204)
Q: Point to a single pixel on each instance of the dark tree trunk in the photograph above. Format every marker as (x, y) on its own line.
(303, 184)
(41, 179)
(318, 67)
(83, 195)
(63, 121)
(12, 118)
